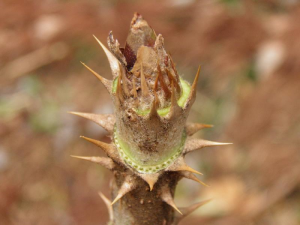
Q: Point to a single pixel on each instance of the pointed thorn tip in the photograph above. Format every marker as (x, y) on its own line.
(116, 199)
(177, 210)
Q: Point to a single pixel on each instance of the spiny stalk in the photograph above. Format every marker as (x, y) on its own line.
(150, 136)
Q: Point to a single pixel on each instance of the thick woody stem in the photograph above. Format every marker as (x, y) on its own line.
(142, 206)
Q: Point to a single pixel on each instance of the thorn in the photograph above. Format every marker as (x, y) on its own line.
(167, 197)
(108, 205)
(173, 96)
(133, 91)
(156, 83)
(154, 107)
(128, 185)
(174, 106)
(180, 165)
(187, 168)
(145, 91)
(103, 161)
(174, 68)
(191, 176)
(125, 83)
(105, 82)
(162, 82)
(172, 79)
(151, 179)
(196, 144)
(194, 86)
(190, 209)
(192, 95)
(106, 121)
(119, 90)
(113, 61)
(192, 128)
(109, 149)
(169, 76)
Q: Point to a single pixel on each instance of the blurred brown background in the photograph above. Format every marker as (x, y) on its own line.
(249, 89)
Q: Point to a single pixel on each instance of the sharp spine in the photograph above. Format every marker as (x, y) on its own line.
(190, 209)
(108, 205)
(174, 68)
(175, 109)
(144, 87)
(125, 83)
(106, 121)
(192, 128)
(103, 161)
(113, 61)
(150, 179)
(105, 82)
(191, 176)
(162, 82)
(119, 90)
(128, 185)
(154, 107)
(133, 91)
(172, 79)
(193, 91)
(109, 149)
(180, 165)
(196, 144)
(155, 83)
(167, 197)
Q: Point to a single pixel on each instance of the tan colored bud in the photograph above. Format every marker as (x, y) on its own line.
(150, 100)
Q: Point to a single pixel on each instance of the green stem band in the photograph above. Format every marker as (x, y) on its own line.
(134, 163)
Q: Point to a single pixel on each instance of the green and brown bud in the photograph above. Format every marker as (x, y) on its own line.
(148, 129)
(151, 100)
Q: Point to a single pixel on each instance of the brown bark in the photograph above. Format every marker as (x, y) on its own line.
(142, 206)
